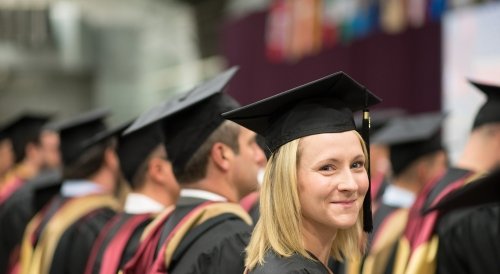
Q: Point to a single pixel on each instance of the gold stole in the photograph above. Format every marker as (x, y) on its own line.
(38, 259)
(204, 214)
(379, 255)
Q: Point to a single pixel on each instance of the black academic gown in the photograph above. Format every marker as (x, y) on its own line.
(295, 264)
(17, 211)
(121, 224)
(469, 241)
(74, 246)
(218, 249)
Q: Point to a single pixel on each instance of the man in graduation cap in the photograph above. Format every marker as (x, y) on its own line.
(17, 209)
(416, 250)
(216, 163)
(59, 238)
(154, 189)
(24, 135)
(417, 156)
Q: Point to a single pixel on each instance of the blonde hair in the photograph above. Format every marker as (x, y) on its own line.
(279, 226)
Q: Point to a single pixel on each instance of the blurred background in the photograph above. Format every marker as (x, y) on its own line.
(65, 57)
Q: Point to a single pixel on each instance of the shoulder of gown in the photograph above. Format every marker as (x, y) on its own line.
(296, 264)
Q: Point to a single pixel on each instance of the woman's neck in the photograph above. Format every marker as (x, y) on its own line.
(318, 240)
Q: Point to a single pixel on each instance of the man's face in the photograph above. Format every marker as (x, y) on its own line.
(50, 149)
(247, 162)
(6, 156)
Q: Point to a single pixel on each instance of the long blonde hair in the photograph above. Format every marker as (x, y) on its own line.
(279, 226)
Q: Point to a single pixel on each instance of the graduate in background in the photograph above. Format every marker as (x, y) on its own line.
(59, 238)
(216, 164)
(315, 200)
(24, 135)
(6, 154)
(154, 189)
(472, 223)
(417, 157)
(18, 209)
(416, 250)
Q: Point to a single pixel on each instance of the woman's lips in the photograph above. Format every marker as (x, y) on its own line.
(344, 202)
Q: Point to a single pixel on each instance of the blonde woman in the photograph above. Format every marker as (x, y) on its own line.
(312, 201)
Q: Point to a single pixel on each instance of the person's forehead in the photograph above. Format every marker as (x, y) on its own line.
(245, 132)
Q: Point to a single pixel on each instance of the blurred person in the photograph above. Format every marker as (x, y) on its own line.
(59, 238)
(472, 215)
(17, 210)
(417, 157)
(417, 249)
(24, 135)
(315, 200)
(6, 155)
(145, 166)
(216, 164)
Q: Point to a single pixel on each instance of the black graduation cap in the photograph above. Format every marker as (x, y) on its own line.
(490, 110)
(105, 135)
(188, 119)
(482, 191)
(74, 132)
(322, 106)
(135, 147)
(411, 137)
(24, 129)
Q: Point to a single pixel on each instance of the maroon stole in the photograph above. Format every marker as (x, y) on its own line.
(145, 254)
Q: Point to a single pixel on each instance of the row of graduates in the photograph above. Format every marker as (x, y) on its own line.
(187, 169)
(182, 153)
(430, 216)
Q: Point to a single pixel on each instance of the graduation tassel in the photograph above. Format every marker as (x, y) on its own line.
(367, 203)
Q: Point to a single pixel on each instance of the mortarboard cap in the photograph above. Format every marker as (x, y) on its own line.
(105, 135)
(482, 191)
(22, 130)
(188, 119)
(322, 106)
(490, 110)
(74, 132)
(135, 147)
(411, 137)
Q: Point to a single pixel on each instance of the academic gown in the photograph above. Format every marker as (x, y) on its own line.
(218, 249)
(469, 241)
(73, 239)
(296, 264)
(73, 249)
(415, 249)
(15, 214)
(117, 243)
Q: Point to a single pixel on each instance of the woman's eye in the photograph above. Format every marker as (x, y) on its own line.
(326, 168)
(358, 164)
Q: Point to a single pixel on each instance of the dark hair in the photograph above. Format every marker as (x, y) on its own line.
(87, 163)
(196, 168)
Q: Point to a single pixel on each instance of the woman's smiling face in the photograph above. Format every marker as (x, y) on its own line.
(332, 179)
